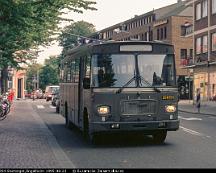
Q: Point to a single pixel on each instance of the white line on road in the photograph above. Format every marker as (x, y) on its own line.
(52, 107)
(194, 132)
(190, 119)
(40, 107)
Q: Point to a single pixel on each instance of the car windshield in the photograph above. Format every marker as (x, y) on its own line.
(119, 70)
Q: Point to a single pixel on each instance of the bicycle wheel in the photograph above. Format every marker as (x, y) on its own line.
(2, 114)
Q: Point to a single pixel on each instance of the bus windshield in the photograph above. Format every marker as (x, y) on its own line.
(116, 70)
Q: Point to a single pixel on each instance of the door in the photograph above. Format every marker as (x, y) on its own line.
(19, 88)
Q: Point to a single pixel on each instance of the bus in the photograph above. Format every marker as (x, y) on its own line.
(122, 87)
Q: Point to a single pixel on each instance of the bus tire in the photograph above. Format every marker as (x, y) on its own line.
(67, 121)
(159, 136)
(86, 126)
(57, 109)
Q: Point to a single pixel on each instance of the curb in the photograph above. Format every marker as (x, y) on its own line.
(196, 113)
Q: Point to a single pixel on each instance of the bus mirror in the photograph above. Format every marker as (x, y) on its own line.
(86, 83)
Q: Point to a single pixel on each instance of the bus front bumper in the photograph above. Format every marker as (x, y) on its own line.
(171, 125)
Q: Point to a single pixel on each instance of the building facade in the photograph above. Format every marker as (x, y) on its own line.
(166, 25)
(204, 43)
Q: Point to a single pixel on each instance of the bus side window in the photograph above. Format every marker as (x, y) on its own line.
(87, 72)
(87, 67)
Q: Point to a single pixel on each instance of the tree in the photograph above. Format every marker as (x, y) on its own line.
(49, 73)
(31, 74)
(25, 24)
(70, 35)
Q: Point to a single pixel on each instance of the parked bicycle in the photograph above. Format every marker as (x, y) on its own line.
(5, 106)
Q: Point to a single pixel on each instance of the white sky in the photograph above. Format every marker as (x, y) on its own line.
(110, 12)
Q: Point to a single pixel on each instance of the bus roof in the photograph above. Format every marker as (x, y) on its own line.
(93, 46)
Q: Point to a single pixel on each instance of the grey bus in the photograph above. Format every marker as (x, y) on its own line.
(123, 87)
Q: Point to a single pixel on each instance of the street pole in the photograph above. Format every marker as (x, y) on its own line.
(38, 79)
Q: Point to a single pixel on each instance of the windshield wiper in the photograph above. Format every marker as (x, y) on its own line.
(128, 83)
(140, 78)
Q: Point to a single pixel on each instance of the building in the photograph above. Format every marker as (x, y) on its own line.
(16, 82)
(204, 36)
(165, 24)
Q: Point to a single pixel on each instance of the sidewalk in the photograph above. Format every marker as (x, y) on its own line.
(26, 142)
(207, 107)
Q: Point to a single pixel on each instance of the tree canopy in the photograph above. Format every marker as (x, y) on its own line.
(25, 24)
(70, 35)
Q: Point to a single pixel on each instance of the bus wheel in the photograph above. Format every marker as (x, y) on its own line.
(159, 137)
(85, 125)
(67, 121)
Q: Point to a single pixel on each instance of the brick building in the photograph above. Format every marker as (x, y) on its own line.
(165, 24)
(204, 36)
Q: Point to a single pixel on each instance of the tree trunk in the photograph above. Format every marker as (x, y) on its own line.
(4, 80)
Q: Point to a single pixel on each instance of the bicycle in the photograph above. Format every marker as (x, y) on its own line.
(4, 107)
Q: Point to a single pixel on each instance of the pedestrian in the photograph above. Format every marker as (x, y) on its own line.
(33, 95)
(198, 102)
(10, 95)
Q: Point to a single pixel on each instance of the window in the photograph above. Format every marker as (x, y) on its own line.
(213, 6)
(205, 44)
(204, 8)
(198, 11)
(87, 66)
(183, 53)
(161, 33)
(191, 53)
(214, 42)
(198, 46)
(158, 34)
(165, 32)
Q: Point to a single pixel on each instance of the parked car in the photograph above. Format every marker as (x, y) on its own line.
(49, 91)
(39, 94)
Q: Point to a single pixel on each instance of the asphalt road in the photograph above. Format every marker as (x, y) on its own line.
(192, 146)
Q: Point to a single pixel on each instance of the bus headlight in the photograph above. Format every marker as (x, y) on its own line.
(103, 110)
(170, 108)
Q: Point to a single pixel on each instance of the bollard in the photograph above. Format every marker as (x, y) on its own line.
(198, 102)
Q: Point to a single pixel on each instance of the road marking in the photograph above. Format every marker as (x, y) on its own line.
(40, 107)
(193, 132)
(190, 119)
(52, 107)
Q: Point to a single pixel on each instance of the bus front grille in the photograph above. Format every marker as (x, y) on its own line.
(138, 107)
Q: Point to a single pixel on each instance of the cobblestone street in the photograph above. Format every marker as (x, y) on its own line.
(26, 142)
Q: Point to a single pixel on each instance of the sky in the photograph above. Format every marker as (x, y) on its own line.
(109, 12)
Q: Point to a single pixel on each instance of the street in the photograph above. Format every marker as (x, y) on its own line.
(34, 136)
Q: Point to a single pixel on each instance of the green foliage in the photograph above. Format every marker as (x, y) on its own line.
(25, 24)
(49, 73)
(31, 74)
(68, 38)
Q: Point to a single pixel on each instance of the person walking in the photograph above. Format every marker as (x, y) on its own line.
(198, 101)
